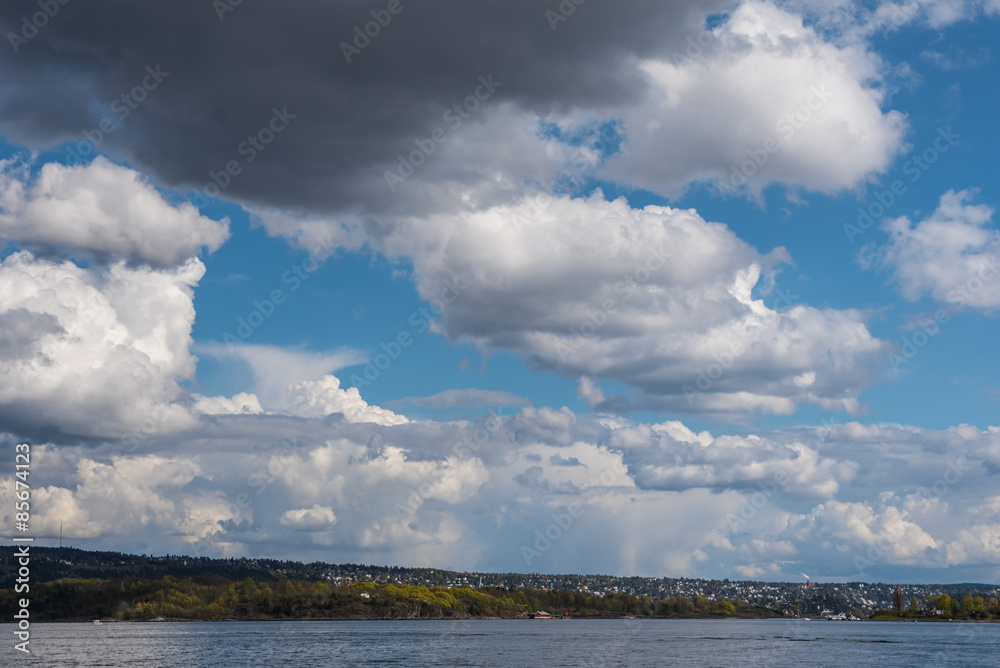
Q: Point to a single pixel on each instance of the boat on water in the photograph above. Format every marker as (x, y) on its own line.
(96, 621)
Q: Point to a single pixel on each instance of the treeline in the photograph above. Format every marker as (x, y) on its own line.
(213, 598)
(53, 563)
(968, 608)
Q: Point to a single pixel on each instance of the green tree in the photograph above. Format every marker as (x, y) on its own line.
(726, 608)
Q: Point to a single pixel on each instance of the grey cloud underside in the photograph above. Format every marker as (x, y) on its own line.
(20, 330)
(352, 119)
(317, 487)
(464, 398)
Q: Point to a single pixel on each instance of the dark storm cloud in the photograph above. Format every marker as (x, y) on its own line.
(223, 79)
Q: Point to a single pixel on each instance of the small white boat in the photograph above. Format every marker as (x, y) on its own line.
(96, 621)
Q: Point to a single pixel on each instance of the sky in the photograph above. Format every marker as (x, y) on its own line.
(663, 289)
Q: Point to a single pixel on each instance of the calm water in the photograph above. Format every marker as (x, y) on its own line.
(507, 643)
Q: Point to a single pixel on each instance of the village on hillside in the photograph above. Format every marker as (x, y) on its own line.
(834, 600)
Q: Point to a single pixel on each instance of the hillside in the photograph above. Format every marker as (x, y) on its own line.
(69, 583)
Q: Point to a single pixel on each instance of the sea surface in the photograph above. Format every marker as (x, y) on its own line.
(506, 643)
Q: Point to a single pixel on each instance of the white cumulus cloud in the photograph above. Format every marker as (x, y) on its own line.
(657, 298)
(762, 99)
(316, 518)
(99, 210)
(106, 351)
(953, 255)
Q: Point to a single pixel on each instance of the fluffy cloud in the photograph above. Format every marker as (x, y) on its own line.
(657, 298)
(671, 457)
(650, 499)
(294, 383)
(543, 277)
(679, 309)
(316, 518)
(276, 369)
(98, 349)
(100, 210)
(893, 14)
(101, 348)
(319, 398)
(95, 352)
(853, 21)
(684, 120)
(140, 494)
(951, 256)
(352, 119)
(857, 527)
(242, 403)
(761, 99)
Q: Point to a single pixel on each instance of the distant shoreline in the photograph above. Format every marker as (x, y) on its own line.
(497, 619)
(73, 585)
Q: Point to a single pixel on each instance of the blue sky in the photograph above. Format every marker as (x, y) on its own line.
(361, 300)
(167, 349)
